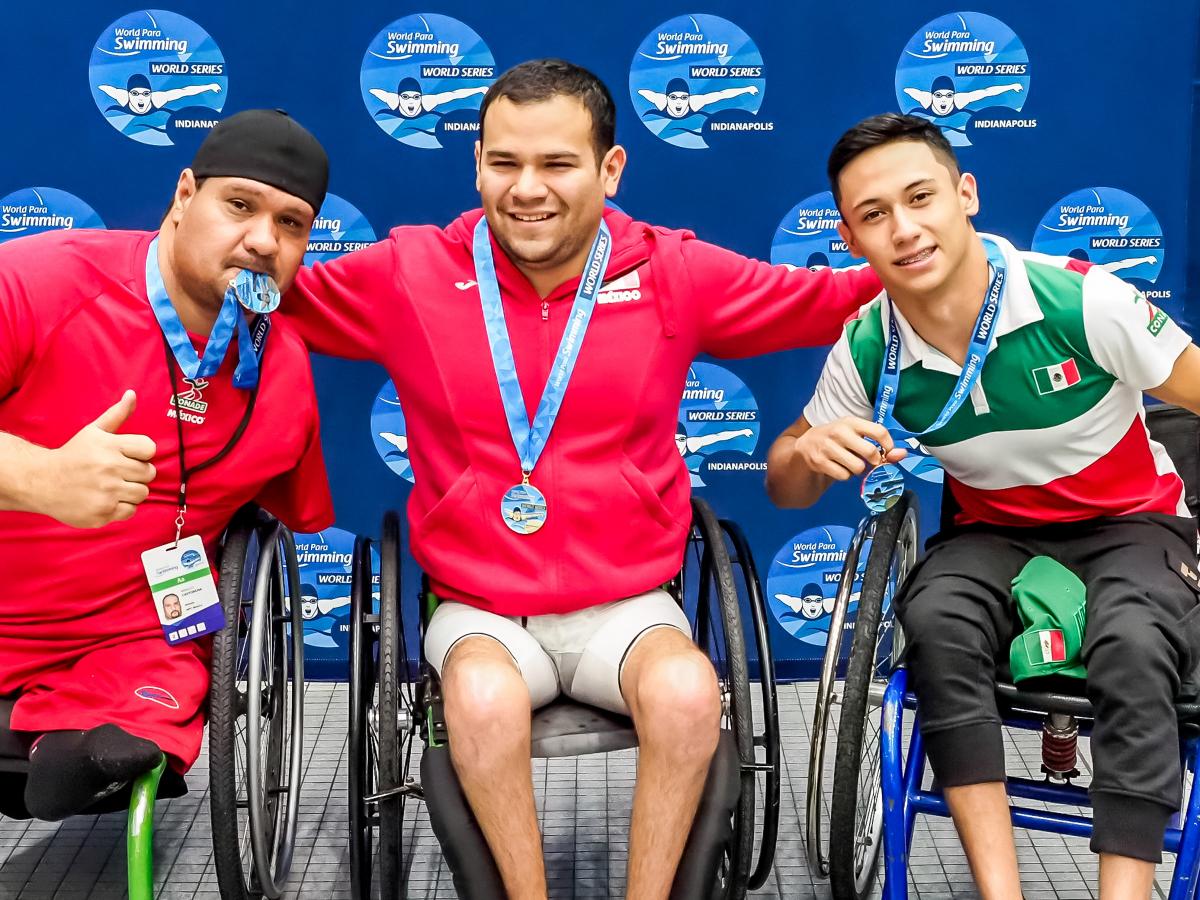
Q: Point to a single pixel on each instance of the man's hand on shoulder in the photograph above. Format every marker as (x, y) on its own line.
(98, 476)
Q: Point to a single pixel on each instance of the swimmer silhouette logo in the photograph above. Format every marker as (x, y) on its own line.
(967, 73)
(388, 432)
(423, 79)
(37, 209)
(718, 424)
(1110, 228)
(155, 74)
(803, 580)
(338, 228)
(696, 76)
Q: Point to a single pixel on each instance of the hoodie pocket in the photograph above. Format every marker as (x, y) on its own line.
(645, 492)
(463, 492)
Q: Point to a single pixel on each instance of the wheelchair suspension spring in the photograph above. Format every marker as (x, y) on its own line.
(1060, 742)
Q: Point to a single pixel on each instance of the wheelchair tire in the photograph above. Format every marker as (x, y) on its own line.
(716, 572)
(254, 781)
(363, 750)
(856, 810)
(391, 808)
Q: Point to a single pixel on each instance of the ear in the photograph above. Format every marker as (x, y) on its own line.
(968, 193)
(611, 168)
(185, 190)
(478, 157)
(847, 235)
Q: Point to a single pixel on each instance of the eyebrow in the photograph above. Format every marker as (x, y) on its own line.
(907, 188)
(552, 155)
(297, 210)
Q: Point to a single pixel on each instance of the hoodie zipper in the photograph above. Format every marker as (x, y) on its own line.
(545, 310)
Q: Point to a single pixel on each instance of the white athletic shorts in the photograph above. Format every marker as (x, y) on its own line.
(579, 654)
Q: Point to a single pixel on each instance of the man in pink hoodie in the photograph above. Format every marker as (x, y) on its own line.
(539, 347)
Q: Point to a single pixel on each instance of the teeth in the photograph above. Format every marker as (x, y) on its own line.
(916, 257)
(521, 218)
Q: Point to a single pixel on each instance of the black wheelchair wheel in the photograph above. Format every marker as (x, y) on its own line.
(256, 711)
(856, 810)
(397, 719)
(766, 737)
(719, 633)
(364, 640)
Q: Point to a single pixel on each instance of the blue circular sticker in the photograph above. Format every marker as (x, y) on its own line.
(802, 583)
(524, 508)
(155, 74)
(423, 79)
(388, 432)
(718, 424)
(696, 76)
(37, 209)
(807, 236)
(338, 228)
(1108, 227)
(965, 72)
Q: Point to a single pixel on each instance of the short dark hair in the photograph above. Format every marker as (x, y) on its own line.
(539, 80)
(884, 129)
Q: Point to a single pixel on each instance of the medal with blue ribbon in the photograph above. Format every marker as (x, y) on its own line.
(523, 506)
(252, 290)
(884, 484)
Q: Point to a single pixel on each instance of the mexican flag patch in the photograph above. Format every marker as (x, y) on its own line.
(1054, 648)
(1049, 379)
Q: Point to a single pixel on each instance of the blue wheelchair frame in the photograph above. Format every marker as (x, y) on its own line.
(903, 778)
(904, 798)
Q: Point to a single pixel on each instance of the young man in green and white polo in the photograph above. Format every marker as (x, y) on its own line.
(1023, 375)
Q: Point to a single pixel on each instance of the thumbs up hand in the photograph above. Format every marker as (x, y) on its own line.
(100, 475)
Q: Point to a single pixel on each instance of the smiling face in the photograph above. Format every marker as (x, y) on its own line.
(909, 215)
(541, 188)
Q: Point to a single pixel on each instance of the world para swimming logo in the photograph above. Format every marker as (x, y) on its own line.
(1110, 228)
(803, 581)
(36, 209)
(697, 76)
(156, 75)
(965, 72)
(718, 424)
(338, 228)
(423, 79)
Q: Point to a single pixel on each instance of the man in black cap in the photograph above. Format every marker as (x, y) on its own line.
(120, 381)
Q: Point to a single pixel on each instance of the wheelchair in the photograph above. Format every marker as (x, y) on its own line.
(877, 790)
(392, 703)
(255, 723)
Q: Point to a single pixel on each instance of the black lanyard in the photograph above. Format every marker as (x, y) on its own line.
(185, 474)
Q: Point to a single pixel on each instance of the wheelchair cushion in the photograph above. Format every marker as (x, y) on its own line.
(567, 728)
(1057, 693)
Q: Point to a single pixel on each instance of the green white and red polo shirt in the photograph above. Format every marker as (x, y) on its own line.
(1054, 430)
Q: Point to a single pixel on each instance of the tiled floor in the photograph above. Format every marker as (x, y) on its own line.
(584, 803)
